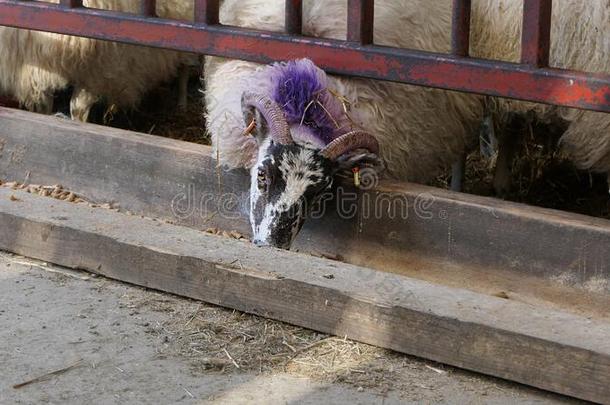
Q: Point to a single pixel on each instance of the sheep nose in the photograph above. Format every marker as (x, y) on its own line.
(260, 242)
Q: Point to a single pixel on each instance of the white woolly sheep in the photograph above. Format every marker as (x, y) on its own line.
(38, 63)
(21, 78)
(580, 40)
(420, 131)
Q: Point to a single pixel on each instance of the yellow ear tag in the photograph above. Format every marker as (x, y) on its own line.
(356, 171)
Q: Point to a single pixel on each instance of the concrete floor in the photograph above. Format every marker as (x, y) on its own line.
(52, 318)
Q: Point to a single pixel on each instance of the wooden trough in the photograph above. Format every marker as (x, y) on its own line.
(499, 288)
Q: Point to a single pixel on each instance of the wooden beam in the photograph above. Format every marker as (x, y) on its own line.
(477, 239)
(551, 350)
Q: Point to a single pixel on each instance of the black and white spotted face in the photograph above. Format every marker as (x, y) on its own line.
(285, 182)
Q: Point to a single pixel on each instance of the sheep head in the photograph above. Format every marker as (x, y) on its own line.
(288, 178)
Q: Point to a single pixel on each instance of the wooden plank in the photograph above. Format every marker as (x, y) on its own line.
(151, 176)
(555, 351)
(180, 182)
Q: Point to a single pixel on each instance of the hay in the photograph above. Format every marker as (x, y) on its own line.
(214, 339)
(158, 115)
(541, 176)
(56, 191)
(227, 234)
(217, 340)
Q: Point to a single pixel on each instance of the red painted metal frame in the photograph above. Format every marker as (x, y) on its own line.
(360, 18)
(71, 3)
(536, 38)
(530, 81)
(294, 17)
(148, 8)
(207, 11)
(460, 27)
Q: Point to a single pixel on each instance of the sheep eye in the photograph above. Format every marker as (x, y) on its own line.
(261, 179)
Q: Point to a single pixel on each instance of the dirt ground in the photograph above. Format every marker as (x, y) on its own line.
(69, 337)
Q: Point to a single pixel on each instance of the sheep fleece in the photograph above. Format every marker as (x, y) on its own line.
(580, 40)
(421, 131)
(35, 64)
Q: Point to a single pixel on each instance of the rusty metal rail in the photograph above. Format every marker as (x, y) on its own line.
(530, 80)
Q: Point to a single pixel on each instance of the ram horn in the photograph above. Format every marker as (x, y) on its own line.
(349, 142)
(273, 114)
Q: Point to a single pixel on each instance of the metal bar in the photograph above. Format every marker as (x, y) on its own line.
(71, 3)
(207, 11)
(536, 38)
(294, 17)
(148, 8)
(503, 79)
(460, 27)
(360, 21)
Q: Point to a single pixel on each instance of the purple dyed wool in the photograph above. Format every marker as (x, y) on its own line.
(300, 88)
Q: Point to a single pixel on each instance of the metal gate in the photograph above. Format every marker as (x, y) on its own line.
(531, 80)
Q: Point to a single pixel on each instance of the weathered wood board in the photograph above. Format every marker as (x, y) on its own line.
(552, 350)
(181, 182)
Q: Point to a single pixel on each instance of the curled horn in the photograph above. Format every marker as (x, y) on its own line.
(349, 142)
(272, 113)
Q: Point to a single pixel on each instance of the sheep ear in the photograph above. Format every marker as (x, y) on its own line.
(360, 159)
(367, 164)
(256, 124)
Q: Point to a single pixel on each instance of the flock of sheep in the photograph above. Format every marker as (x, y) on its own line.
(35, 65)
(420, 131)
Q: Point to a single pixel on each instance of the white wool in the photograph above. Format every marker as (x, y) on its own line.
(35, 64)
(421, 131)
(580, 40)
(21, 76)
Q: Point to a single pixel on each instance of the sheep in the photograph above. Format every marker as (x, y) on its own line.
(418, 132)
(21, 77)
(580, 40)
(118, 73)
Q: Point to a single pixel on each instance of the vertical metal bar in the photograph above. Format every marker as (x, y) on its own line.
(536, 39)
(207, 11)
(460, 27)
(360, 21)
(294, 17)
(71, 3)
(148, 8)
